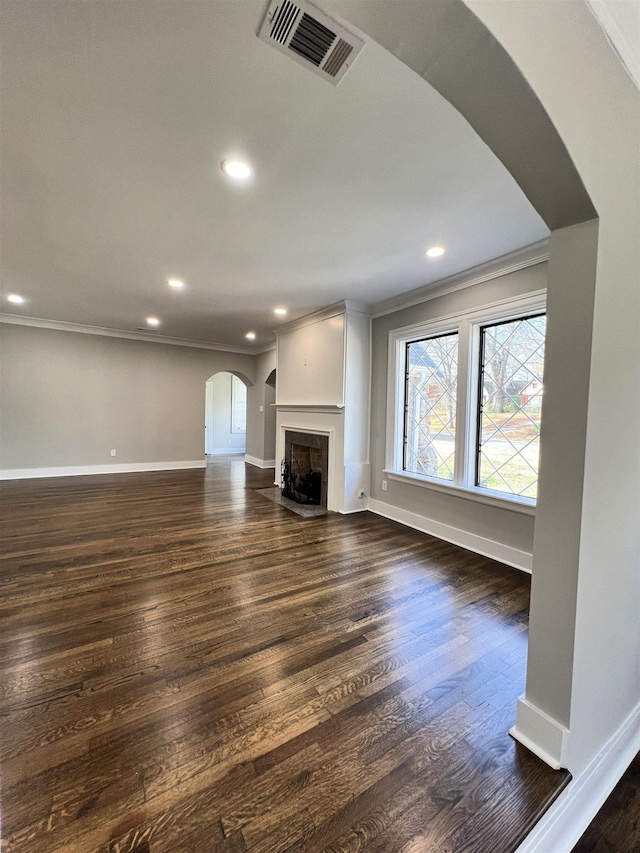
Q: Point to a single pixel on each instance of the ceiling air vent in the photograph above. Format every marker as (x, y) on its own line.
(311, 38)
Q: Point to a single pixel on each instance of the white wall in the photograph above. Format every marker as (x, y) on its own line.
(323, 386)
(311, 364)
(67, 399)
(218, 435)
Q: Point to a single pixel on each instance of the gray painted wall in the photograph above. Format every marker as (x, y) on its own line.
(506, 527)
(572, 266)
(598, 117)
(488, 88)
(269, 421)
(261, 425)
(66, 399)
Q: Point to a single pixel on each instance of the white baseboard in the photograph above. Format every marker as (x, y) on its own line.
(82, 470)
(224, 451)
(259, 463)
(562, 825)
(479, 544)
(540, 733)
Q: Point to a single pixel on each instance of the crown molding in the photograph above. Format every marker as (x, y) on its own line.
(528, 256)
(620, 26)
(58, 325)
(343, 307)
(315, 317)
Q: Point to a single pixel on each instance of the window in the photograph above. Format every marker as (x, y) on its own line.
(238, 405)
(508, 435)
(430, 406)
(465, 396)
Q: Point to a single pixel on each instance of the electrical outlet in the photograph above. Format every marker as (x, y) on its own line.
(384, 485)
(262, 408)
(362, 493)
(113, 453)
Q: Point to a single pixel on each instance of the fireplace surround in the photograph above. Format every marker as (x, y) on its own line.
(323, 390)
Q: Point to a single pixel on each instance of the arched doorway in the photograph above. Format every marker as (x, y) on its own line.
(579, 689)
(225, 413)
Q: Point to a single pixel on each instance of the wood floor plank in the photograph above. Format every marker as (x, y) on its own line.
(186, 666)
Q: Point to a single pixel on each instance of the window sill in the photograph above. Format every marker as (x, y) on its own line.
(524, 506)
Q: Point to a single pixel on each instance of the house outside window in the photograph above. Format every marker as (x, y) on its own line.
(508, 435)
(430, 406)
(465, 397)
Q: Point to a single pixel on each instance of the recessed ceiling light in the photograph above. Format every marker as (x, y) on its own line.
(434, 252)
(251, 336)
(174, 282)
(237, 169)
(280, 311)
(153, 321)
(17, 300)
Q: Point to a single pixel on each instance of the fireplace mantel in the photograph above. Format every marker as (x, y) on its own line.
(295, 407)
(323, 387)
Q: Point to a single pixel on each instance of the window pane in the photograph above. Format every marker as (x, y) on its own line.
(238, 405)
(430, 406)
(511, 396)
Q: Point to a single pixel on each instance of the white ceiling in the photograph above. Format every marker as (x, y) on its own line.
(116, 115)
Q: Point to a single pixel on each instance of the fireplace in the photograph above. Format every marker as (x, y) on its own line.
(305, 467)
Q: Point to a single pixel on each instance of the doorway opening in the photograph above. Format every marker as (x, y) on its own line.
(225, 414)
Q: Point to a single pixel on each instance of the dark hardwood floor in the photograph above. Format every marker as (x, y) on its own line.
(616, 827)
(186, 666)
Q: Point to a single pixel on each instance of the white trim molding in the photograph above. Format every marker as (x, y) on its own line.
(323, 314)
(312, 407)
(471, 541)
(620, 23)
(60, 326)
(259, 463)
(540, 733)
(225, 451)
(84, 470)
(562, 825)
(529, 256)
(510, 503)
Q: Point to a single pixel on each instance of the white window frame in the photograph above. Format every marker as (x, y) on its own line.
(467, 325)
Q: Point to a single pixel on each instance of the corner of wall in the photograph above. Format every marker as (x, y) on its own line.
(544, 736)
